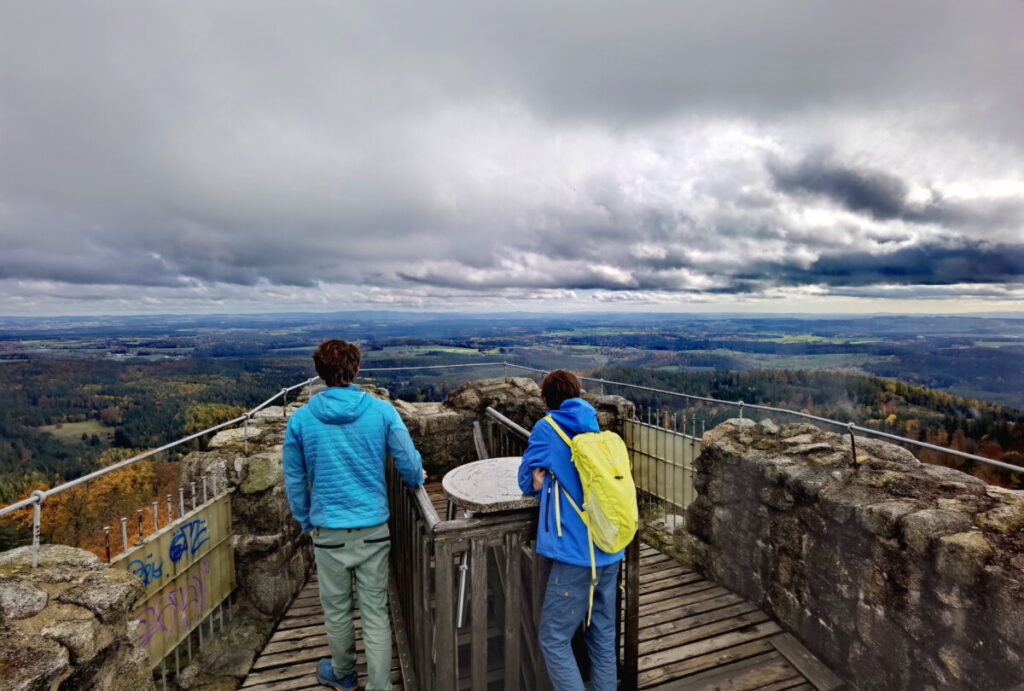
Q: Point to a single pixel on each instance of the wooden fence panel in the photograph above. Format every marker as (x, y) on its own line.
(188, 569)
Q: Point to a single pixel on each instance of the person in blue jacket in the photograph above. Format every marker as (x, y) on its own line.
(334, 454)
(566, 598)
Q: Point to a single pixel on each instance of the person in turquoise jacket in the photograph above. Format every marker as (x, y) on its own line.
(334, 455)
(567, 595)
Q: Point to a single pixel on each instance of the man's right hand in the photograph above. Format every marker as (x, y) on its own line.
(538, 478)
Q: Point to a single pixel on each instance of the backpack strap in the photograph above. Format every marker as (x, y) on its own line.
(579, 512)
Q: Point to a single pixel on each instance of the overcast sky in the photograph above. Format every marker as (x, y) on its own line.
(679, 156)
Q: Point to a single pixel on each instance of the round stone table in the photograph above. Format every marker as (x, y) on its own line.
(487, 486)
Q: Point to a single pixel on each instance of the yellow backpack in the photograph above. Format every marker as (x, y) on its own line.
(609, 495)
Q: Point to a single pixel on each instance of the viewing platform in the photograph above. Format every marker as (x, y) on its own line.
(770, 557)
(693, 634)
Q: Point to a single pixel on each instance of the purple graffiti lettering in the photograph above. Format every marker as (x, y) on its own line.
(148, 570)
(175, 610)
(188, 538)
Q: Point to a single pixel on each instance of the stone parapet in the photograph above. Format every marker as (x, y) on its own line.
(900, 575)
(273, 556)
(443, 432)
(65, 624)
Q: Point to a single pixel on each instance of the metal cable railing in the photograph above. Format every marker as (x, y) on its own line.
(37, 497)
(850, 427)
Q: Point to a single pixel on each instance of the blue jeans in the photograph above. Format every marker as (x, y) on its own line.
(564, 609)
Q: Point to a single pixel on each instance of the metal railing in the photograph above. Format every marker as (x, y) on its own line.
(38, 497)
(848, 427)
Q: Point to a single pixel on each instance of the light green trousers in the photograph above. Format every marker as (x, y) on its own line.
(363, 553)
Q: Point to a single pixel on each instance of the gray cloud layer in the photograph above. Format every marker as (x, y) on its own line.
(202, 150)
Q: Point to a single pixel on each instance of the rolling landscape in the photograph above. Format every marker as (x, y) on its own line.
(78, 393)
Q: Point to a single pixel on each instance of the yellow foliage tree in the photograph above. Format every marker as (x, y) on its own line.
(78, 515)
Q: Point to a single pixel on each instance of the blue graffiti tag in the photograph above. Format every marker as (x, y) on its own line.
(148, 570)
(189, 538)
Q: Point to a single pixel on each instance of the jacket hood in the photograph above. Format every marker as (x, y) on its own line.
(576, 415)
(339, 404)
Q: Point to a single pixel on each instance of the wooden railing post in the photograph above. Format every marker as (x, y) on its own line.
(631, 652)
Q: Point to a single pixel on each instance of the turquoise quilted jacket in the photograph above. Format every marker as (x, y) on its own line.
(334, 455)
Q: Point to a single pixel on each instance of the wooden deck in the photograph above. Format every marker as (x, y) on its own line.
(289, 659)
(694, 634)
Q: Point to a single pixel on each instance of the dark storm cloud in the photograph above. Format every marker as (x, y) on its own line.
(884, 196)
(921, 265)
(873, 192)
(222, 147)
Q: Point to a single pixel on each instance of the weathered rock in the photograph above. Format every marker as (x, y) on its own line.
(263, 471)
(272, 412)
(235, 437)
(225, 660)
(20, 559)
(126, 668)
(273, 556)
(30, 662)
(109, 594)
(962, 557)
(82, 637)
(920, 528)
(19, 600)
(883, 518)
(869, 564)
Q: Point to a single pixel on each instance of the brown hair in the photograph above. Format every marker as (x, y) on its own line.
(558, 387)
(337, 362)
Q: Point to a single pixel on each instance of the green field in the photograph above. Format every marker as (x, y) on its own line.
(73, 431)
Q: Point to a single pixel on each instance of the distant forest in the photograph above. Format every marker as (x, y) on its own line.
(888, 405)
(131, 406)
(75, 396)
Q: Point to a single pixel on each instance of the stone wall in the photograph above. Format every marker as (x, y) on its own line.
(898, 574)
(273, 557)
(65, 624)
(443, 432)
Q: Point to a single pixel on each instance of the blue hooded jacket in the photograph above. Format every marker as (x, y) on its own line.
(334, 455)
(547, 450)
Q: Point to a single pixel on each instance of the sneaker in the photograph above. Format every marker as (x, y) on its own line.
(325, 675)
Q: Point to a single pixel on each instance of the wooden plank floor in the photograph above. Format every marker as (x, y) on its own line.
(289, 659)
(694, 634)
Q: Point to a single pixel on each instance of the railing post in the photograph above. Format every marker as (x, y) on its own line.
(156, 515)
(124, 533)
(284, 403)
(245, 438)
(631, 652)
(741, 410)
(37, 519)
(106, 541)
(853, 445)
